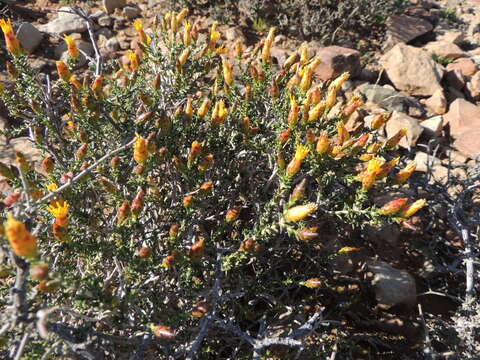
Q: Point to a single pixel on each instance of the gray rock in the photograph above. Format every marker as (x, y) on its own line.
(384, 97)
(131, 12)
(383, 234)
(400, 120)
(105, 21)
(152, 3)
(111, 5)
(112, 44)
(423, 160)
(64, 23)
(29, 37)
(392, 286)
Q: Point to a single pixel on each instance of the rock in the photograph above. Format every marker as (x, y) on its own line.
(392, 286)
(473, 86)
(466, 65)
(64, 23)
(455, 79)
(423, 160)
(106, 32)
(463, 117)
(382, 234)
(152, 3)
(279, 55)
(22, 144)
(400, 120)
(61, 52)
(105, 21)
(112, 44)
(412, 70)
(29, 37)
(437, 102)
(433, 127)
(444, 49)
(456, 37)
(467, 143)
(384, 97)
(111, 5)
(131, 12)
(232, 34)
(337, 60)
(404, 28)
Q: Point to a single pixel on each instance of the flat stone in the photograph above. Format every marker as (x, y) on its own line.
(463, 117)
(466, 65)
(105, 21)
(64, 23)
(404, 28)
(392, 286)
(437, 102)
(337, 60)
(444, 49)
(422, 159)
(29, 36)
(433, 127)
(412, 70)
(131, 12)
(468, 143)
(400, 120)
(456, 37)
(386, 98)
(111, 5)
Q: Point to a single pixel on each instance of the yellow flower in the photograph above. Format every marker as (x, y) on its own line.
(133, 57)
(12, 43)
(301, 153)
(219, 113)
(52, 187)
(22, 242)
(71, 47)
(299, 212)
(392, 207)
(323, 144)
(187, 36)
(140, 152)
(405, 173)
(227, 72)
(202, 111)
(292, 113)
(214, 37)
(316, 111)
(144, 38)
(268, 44)
(395, 139)
(59, 209)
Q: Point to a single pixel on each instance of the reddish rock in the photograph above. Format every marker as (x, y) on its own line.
(462, 117)
(473, 86)
(403, 29)
(412, 70)
(337, 60)
(437, 102)
(444, 49)
(466, 65)
(467, 143)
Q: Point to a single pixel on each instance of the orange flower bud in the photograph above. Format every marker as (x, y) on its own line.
(97, 86)
(284, 136)
(238, 48)
(168, 262)
(316, 111)
(281, 161)
(202, 111)
(342, 132)
(300, 212)
(188, 109)
(75, 83)
(206, 187)
(219, 113)
(354, 103)
(306, 81)
(137, 203)
(13, 45)
(187, 201)
(293, 167)
(200, 309)
(307, 234)
(347, 249)
(195, 151)
(412, 209)
(395, 139)
(360, 142)
(22, 162)
(404, 174)
(249, 245)
(39, 272)
(267, 45)
(60, 233)
(206, 163)
(21, 241)
(144, 38)
(182, 59)
(392, 207)
(71, 47)
(63, 72)
(140, 151)
(197, 250)
(298, 192)
(248, 92)
(144, 252)
(312, 283)
(187, 35)
(47, 164)
(144, 117)
(292, 59)
(232, 214)
(107, 185)
(323, 144)
(163, 332)
(293, 113)
(368, 180)
(380, 120)
(81, 152)
(227, 72)
(123, 212)
(316, 95)
(172, 233)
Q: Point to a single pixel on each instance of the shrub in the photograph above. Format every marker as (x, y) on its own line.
(182, 196)
(322, 20)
